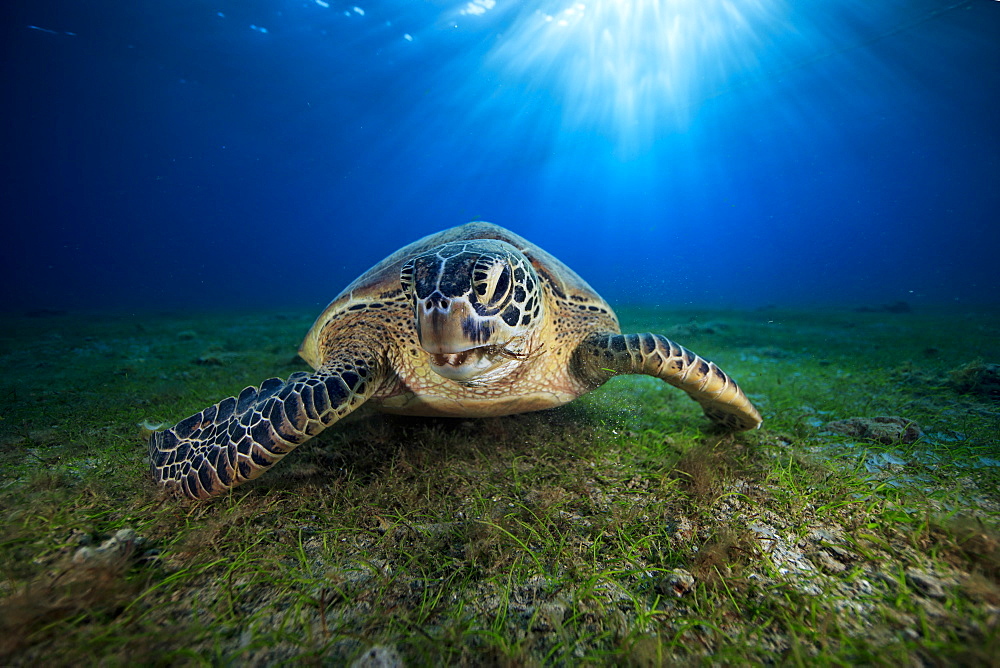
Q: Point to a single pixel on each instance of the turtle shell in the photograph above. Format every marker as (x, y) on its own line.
(381, 282)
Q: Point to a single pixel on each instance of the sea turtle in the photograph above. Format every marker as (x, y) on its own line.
(473, 321)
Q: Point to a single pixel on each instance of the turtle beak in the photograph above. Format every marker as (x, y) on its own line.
(448, 326)
(455, 339)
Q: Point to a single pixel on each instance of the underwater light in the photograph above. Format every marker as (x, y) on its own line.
(626, 66)
(634, 70)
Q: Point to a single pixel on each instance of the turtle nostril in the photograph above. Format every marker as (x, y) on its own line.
(437, 301)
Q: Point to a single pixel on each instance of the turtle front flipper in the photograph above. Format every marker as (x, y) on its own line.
(605, 354)
(241, 437)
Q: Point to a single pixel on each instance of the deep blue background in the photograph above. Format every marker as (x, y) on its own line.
(842, 153)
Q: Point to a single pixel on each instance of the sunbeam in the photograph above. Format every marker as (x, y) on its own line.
(632, 68)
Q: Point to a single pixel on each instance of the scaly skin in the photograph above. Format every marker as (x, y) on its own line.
(240, 438)
(605, 354)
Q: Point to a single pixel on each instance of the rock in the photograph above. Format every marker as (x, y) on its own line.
(113, 550)
(825, 561)
(216, 359)
(925, 583)
(678, 582)
(694, 328)
(209, 360)
(977, 378)
(379, 656)
(882, 429)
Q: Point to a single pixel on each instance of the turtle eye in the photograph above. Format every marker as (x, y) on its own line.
(406, 277)
(491, 281)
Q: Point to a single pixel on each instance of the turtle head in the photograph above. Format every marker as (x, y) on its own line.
(477, 305)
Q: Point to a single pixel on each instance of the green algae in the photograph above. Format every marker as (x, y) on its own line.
(616, 529)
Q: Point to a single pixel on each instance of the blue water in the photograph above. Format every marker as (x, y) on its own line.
(219, 154)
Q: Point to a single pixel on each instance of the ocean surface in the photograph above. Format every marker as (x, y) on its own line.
(209, 155)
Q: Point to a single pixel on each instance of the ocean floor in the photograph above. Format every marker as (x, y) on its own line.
(860, 525)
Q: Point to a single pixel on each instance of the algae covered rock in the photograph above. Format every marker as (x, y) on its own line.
(884, 429)
(114, 550)
(977, 378)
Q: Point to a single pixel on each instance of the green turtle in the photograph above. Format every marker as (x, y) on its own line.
(473, 321)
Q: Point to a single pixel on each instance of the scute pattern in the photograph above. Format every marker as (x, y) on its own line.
(501, 279)
(239, 438)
